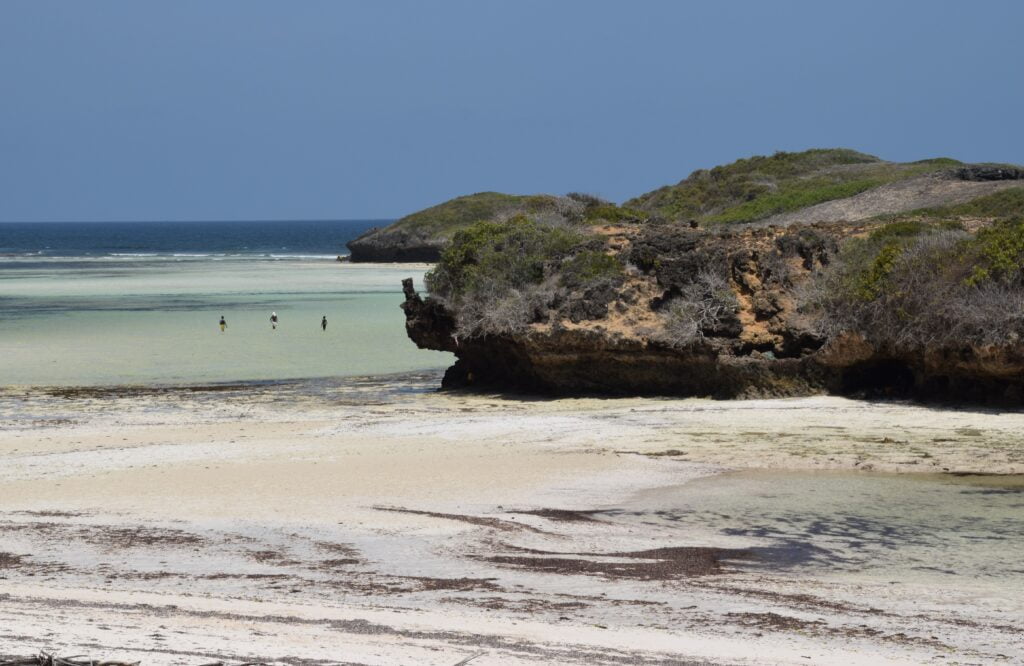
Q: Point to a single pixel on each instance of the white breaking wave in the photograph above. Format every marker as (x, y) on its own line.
(304, 256)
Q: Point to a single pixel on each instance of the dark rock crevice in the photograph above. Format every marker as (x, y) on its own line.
(989, 172)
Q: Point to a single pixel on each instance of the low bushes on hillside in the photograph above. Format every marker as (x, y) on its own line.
(708, 190)
(794, 196)
(1003, 204)
(446, 218)
(760, 186)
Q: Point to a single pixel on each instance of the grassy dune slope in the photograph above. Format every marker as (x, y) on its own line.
(759, 187)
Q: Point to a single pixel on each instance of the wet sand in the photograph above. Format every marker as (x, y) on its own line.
(378, 522)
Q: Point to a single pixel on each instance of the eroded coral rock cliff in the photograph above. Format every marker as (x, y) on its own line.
(620, 341)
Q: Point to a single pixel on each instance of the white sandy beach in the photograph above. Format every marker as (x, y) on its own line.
(186, 527)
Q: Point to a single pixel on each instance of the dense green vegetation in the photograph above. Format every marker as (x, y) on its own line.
(760, 186)
(512, 254)
(499, 277)
(609, 212)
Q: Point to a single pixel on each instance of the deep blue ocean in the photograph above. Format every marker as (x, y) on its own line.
(128, 239)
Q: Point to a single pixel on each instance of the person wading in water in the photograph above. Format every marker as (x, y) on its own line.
(323, 324)
(273, 320)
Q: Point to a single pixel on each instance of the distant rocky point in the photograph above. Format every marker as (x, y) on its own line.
(421, 236)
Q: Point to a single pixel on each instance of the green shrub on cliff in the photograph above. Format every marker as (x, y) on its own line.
(512, 253)
(914, 285)
(499, 277)
(873, 259)
(589, 266)
(997, 253)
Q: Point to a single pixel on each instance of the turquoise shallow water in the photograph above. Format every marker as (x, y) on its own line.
(153, 320)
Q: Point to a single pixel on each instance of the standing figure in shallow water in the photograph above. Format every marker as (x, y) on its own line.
(223, 324)
(323, 324)
(273, 320)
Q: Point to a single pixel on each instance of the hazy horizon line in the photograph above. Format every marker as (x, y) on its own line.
(256, 221)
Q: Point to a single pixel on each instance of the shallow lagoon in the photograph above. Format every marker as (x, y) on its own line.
(153, 320)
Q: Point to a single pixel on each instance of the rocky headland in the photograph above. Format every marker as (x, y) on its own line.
(421, 236)
(910, 284)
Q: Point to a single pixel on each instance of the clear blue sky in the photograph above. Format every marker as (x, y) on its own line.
(247, 109)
